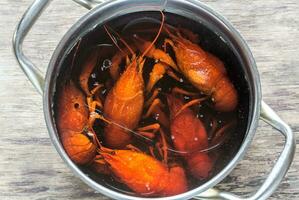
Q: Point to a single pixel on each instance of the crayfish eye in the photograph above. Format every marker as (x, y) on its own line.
(76, 105)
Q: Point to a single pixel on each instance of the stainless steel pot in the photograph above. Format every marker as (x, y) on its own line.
(102, 11)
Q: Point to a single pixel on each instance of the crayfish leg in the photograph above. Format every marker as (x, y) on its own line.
(164, 146)
(155, 127)
(149, 131)
(152, 97)
(93, 104)
(183, 92)
(163, 57)
(156, 109)
(168, 42)
(189, 104)
(147, 134)
(151, 150)
(157, 73)
(157, 54)
(156, 103)
(173, 75)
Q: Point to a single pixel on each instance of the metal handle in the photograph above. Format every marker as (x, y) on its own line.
(278, 171)
(89, 4)
(29, 18)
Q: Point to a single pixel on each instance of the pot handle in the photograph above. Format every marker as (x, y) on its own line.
(278, 171)
(89, 4)
(29, 18)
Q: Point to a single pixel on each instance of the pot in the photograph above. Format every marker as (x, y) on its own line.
(103, 11)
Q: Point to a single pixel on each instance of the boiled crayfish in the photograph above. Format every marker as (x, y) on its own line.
(189, 137)
(205, 71)
(72, 124)
(124, 103)
(144, 174)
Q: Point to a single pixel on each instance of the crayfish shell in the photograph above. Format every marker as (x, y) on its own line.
(79, 148)
(72, 113)
(144, 174)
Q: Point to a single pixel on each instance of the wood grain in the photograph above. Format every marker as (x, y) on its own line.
(30, 168)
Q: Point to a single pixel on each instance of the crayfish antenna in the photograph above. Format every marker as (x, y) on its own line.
(75, 53)
(141, 60)
(166, 29)
(177, 37)
(69, 75)
(120, 38)
(157, 36)
(112, 39)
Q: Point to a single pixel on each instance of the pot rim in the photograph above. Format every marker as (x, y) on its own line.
(220, 21)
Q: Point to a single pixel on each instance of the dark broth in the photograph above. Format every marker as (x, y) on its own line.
(146, 24)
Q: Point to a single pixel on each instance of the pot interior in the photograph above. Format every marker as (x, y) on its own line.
(212, 39)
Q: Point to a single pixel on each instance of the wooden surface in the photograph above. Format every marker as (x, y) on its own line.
(30, 168)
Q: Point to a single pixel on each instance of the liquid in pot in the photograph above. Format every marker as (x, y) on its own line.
(132, 115)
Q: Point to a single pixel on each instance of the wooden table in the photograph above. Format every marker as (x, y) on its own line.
(30, 168)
